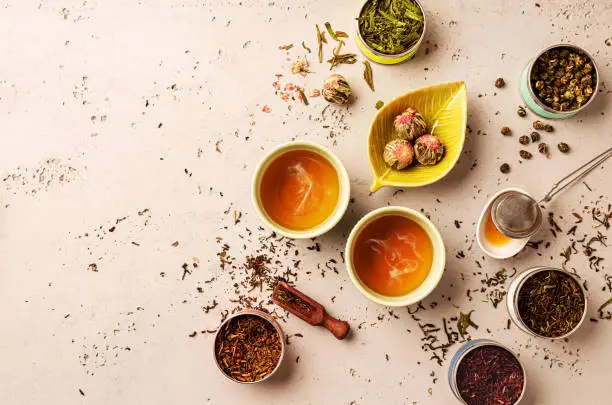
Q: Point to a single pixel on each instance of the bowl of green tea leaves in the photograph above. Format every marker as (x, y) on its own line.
(390, 31)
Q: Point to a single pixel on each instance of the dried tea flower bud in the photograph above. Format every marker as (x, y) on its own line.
(524, 140)
(525, 155)
(542, 148)
(563, 147)
(410, 124)
(505, 131)
(336, 89)
(539, 125)
(535, 136)
(521, 112)
(505, 168)
(499, 83)
(548, 128)
(428, 149)
(398, 154)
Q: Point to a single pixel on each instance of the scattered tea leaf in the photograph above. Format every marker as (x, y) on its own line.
(332, 33)
(302, 96)
(305, 47)
(464, 322)
(367, 74)
(320, 41)
(379, 104)
(285, 47)
(341, 34)
(175, 244)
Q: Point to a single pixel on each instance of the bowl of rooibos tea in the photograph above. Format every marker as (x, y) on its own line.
(301, 190)
(249, 347)
(395, 256)
(547, 302)
(484, 372)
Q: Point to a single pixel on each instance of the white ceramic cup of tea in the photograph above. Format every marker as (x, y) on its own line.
(437, 265)
(344, 190)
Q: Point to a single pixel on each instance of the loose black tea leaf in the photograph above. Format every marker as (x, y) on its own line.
(391, 26)
(248, 348)
(367, 74)
(499, 83)
(551, 303)
(563, 147)
(285, 47)
(305, 47)
(506, 131)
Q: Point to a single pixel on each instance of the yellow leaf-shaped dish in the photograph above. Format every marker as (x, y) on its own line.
(443, 106)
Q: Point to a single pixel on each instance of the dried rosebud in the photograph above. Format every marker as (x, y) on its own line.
(524, 154)
(336, 89)
(409, 124)
(563, 147)
(505, 131)
(499, 83)
(504, 168)
(524, 140)
(535, 136)
(521, 112)
(398, 154)
(542, 148)
(428, 150)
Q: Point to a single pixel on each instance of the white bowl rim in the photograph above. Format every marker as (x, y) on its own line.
(523, 241)
(435, 273)
(343, 198)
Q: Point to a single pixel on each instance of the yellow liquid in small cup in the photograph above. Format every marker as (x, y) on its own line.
(299, 190)
(393, 255)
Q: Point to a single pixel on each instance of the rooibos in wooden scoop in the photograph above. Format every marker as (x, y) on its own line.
(307, 309)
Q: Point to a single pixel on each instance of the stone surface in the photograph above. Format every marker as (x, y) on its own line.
(152, 111)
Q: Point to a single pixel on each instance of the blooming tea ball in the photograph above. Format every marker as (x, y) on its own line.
(428, 150)
(336, 89)
(410, 124)
(398, 154)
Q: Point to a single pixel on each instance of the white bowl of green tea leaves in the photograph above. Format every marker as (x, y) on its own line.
(547, 302)
(249, 347)
(390, 31)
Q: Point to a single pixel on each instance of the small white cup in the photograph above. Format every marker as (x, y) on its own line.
(435, 272)
(343, 197)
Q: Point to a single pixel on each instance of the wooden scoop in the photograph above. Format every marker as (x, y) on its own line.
(307, 309)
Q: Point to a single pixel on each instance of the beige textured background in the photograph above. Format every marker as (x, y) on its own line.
(121, 334)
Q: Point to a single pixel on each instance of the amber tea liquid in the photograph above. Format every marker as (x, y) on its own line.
(393, 255)
(299, 189)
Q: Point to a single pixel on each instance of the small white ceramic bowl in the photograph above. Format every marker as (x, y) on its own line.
(343, 198)
(498, 252)
(437, 266)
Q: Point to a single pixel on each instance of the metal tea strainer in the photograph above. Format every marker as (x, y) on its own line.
(517, 215)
